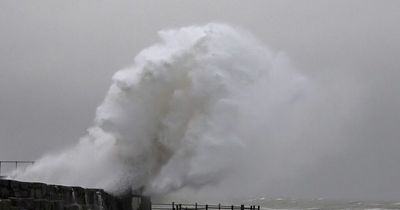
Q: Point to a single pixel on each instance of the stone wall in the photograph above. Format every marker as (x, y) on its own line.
(16, 195)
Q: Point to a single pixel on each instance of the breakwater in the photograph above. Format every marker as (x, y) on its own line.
(15, 195)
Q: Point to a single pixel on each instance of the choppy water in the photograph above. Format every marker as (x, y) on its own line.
(322, 204)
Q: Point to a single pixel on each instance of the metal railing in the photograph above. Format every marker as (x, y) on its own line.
(14, 163)
(180, 206)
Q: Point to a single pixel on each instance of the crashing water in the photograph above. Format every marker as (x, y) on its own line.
(176, 117)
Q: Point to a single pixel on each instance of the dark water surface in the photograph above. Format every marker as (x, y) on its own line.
(323, 204)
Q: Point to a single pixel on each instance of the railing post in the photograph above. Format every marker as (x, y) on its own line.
(206, 206)
(173, 206)
(180, 206)
(242, 207)
(258, 207)
(232, 207)
(219, 206)
(195, 206)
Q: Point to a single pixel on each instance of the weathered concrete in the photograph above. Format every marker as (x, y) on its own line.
(16, 195)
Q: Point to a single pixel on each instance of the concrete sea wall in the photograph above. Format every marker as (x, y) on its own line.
(15, 195)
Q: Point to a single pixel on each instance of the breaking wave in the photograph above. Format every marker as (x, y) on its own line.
(184, 115)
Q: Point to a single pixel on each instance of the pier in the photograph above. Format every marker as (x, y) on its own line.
(196, 206)
(25, 195)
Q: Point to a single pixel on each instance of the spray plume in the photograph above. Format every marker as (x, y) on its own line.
(184, 115)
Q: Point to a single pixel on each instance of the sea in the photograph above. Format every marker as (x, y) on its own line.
(322, 204)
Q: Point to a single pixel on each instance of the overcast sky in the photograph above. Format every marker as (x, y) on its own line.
(57, 59)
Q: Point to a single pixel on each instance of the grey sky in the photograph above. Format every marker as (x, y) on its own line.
(57, 59)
